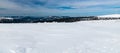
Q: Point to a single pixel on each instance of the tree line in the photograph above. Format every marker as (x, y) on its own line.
(29, 19)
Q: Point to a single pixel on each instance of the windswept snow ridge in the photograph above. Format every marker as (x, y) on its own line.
(80, 37)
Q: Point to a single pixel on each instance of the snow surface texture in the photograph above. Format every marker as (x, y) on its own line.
(113, 15)
(79, 37)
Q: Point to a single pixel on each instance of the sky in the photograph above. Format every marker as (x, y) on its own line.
(59, 7)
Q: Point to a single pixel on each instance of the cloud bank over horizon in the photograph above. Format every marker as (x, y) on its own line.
(59, 7)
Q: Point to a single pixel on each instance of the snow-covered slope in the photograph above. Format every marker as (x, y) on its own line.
(112, 15)
(80, 37)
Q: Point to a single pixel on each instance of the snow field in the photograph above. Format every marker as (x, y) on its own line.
(79, 37)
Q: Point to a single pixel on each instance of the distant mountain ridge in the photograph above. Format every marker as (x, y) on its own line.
(111, 15)
(32, 19)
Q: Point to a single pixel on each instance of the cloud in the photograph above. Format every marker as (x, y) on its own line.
(58, 7)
